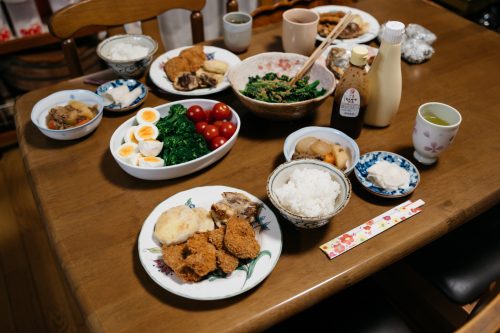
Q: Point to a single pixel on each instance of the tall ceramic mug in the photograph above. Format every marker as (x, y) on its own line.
(435, 128)
(300, 27)
(237, 31)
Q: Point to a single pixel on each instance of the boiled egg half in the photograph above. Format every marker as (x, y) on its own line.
(151, 162)
(150, 147)
(130, 135)
(127, 152)
(146, 132)
(147, 116)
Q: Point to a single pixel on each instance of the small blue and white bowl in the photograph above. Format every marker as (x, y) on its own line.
(282, 174)
(42, 107)
(129, 68)
(131, 85)
(369, 159)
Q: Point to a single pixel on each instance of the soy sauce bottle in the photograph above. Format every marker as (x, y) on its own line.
(351, 95)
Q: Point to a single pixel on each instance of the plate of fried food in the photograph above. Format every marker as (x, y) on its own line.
(193, 71)
(363, 28)
(210, 242)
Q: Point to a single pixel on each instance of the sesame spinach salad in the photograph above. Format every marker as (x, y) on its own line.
(274, 88)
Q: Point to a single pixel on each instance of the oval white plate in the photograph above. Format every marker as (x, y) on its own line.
(373, 28)
(369, 159)
(159, 78)
(131, 85)
(267, 231)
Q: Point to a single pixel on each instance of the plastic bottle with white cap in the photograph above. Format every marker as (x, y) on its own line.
(384, 77)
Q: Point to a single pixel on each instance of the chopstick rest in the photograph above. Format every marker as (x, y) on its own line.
(371, 228)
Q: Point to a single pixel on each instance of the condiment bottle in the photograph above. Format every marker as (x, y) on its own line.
(351, 95)
(384, 77)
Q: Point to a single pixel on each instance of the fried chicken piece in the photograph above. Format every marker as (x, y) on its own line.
(174, 67)
(234, 204)
(195, 56)
(174, 257)
(226, 261)
(216, 237)
(201, 258)
(240, 240)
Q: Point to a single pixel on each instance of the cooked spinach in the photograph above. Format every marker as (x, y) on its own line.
(273, 88)
(181, 143)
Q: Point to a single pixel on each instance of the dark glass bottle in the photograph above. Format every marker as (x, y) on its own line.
(351, 95)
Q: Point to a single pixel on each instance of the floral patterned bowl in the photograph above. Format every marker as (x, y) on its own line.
(280, 63)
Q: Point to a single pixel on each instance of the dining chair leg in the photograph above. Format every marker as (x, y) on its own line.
(71, 56)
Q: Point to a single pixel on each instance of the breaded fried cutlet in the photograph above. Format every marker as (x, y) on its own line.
(201, 258)
(226, 261)
(175, 67)
(240, 240)
(173, 256)
(195, 56)
(216, 237)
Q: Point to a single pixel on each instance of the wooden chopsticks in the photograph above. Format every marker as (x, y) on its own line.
(319, 50)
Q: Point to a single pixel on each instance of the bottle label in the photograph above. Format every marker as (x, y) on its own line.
(350, 104)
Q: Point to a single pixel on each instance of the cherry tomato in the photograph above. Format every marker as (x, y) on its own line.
(210, 116)
(217, 142)
(227, 129)
(195, 113)
(219, 122)
(210, 132)
(221, 111)
(200, 126)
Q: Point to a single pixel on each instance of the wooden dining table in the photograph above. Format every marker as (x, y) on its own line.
(93, 211)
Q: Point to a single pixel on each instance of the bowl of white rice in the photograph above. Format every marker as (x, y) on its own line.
(128, 55)
(308, 192)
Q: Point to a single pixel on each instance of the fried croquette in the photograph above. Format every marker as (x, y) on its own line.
(201, 254)
(226, 261)
(240, 240)
(175, 67)
(174, 257)
(195, 56)
(216, 237)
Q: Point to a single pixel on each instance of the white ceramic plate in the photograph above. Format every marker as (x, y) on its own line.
(369, 159)
(268, 234)
(373, 27)
(160, 79)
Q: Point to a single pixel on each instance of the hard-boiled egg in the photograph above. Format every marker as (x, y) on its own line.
(127, 152)
(130, 135)
(151, 162)
(147, 116)
(150, 147)
(145, 132)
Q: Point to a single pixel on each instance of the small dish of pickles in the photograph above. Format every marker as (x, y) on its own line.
(324, 144)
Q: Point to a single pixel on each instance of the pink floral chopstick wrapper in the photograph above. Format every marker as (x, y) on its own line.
(370, 229)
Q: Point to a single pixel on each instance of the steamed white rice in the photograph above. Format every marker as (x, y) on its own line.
(309, 193)
(126, 51)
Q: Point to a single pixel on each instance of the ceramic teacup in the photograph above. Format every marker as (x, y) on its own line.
(237, 31)
(435, 128)
(300, 27)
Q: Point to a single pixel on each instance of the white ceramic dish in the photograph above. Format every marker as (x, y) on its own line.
(42, 107)
(267, 231)
(369, 159)
(281, 175)
(326, 133)
(159, 78)
(131, 85)
(178, 170)
(373, 28)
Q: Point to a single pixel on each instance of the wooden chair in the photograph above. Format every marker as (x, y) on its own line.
(68, 21)
(271, 11)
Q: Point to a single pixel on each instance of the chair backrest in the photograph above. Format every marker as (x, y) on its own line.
(272, 12)
(112, 14)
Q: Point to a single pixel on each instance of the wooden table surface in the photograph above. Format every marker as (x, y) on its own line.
(94, 211)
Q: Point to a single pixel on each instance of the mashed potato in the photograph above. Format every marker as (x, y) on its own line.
(309, 193)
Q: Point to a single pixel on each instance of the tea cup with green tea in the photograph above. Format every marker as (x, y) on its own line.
(435, 128)
(237, 31)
